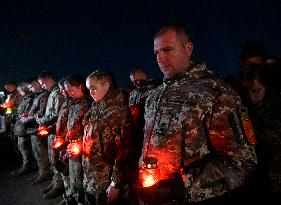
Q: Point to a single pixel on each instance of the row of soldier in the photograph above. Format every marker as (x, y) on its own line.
(189, 132)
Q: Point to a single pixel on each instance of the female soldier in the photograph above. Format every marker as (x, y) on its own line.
(106, 140)
(76, 89)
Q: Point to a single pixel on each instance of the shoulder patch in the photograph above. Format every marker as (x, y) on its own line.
(247, 125)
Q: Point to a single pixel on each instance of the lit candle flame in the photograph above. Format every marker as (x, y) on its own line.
(148, 181)
(58, 144)
(58, 141)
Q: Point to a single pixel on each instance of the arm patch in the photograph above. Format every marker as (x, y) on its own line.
(242, 126)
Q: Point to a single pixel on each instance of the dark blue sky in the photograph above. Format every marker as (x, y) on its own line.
(65, 36)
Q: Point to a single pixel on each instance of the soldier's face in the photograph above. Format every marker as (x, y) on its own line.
(34, 87)
(256, 91)
(136, 77)
(43, 83)
(63, 91)
(74, 92)
(98, 88)
(173, 57)
(10, 88)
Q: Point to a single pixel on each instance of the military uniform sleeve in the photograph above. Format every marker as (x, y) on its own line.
(75, 128)
(62, 120)
(52, 117)
(38, 109)
(122, 137)
(42, 105)
(230, 160)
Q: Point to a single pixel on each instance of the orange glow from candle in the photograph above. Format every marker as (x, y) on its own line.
(57, 143)
(75, 149)
(43, 131)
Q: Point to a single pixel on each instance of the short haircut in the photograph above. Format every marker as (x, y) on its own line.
(32, 79)
(104, 76)
(74, 80)
(10, 83)
(46, 75)
(181, 31)
(23, 87)
(137, 69)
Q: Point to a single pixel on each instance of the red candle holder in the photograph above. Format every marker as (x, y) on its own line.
(74, 148)
(149, 173)
(58, 143)
(43, 131)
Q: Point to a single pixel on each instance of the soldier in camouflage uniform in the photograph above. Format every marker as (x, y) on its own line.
(14, 97)
(24, 142)
(12, 102)
(54, 103)
(61, 129)
(106, 140)
(188, 134)
(39, 144)
(76, 89)
(265, 114)
(137, 99)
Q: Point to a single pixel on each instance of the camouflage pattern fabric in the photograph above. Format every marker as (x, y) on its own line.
(24, 107)
(106, 142)
(76, 114)
(24, 141)
(25, 104)
(14, 99)
(24, 146)
(38, 105)
(266, 119)
(40, 152)
(192, 111)
(54, 103)
(138, 94)
(61, 130)
(39, 145)
(61, 125)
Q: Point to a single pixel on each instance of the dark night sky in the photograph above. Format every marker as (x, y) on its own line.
(65, 36)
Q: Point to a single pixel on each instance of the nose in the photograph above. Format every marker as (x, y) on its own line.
(160, 58)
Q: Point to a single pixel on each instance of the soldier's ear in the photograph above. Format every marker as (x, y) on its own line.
(188, 47)
(107, 85)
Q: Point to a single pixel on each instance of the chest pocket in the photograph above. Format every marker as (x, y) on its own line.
(173, 113)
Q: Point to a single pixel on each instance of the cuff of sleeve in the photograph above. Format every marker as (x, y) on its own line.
(115, 185)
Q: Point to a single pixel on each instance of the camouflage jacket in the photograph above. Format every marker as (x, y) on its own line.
(138, 94)
(24, 107)
(54, 104)
(38, 105)
(16, 99)
(25, 104)
(13, 100)
(76, 113)
(187, 126)
(136, 103)
(105, 142)
(61, 125)
(266, 119)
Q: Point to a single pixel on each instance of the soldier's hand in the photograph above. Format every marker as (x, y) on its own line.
(112, 194)
(39, 120)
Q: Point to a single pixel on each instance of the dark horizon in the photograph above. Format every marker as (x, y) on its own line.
(66, 37)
